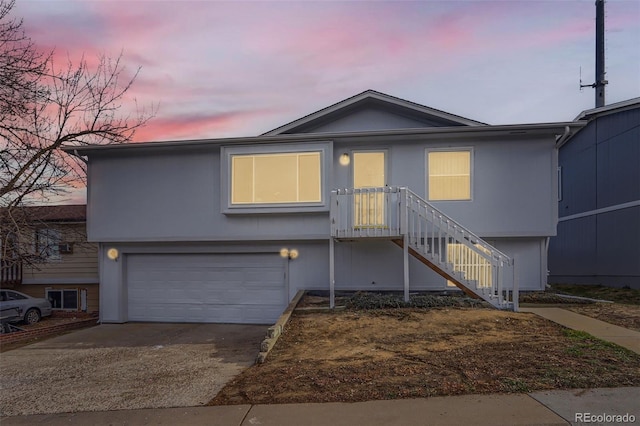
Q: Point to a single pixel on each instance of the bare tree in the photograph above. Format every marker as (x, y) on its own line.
(21, 65)
(42, 107)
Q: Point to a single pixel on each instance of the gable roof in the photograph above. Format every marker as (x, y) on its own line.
(609, 109)
(61, 213)
(589, 115)
(428, 133)
(377, 98)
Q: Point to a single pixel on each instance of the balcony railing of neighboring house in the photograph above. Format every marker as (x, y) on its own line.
(434, 238)
(10, 273)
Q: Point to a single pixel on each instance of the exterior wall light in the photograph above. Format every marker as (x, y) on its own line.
(113, 254)
(344, 159)
(288, 254)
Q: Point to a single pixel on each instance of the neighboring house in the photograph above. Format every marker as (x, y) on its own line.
(64, 266)
(228, 230)
(598, 238)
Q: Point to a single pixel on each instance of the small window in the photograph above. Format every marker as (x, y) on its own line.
(65, 248)
(63, 299)
(48, 243)
(279, 178)
(449, 175)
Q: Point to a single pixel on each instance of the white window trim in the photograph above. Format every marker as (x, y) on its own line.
(62, 290)
(38, 250)
(471, 172)
(384, 151)
(227, 152)
(297, 156)
(377, 221)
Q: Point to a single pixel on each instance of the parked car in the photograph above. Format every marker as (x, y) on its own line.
(8, 315)
(31, 308)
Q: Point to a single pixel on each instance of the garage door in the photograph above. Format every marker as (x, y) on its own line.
(231, 288)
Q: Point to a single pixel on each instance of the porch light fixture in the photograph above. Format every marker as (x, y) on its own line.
(113, 254)
(288, 254)
(344, 159)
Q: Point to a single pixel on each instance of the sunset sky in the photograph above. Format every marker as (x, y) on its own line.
(218, 69)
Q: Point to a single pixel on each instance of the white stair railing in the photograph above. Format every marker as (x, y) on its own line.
(366, 212)
(397, 212)
(476, 264)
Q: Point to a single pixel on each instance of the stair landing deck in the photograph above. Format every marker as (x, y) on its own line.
(429, 235)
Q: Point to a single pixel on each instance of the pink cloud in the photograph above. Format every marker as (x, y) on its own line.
(297, 56)
(450, 33)
(194, 125)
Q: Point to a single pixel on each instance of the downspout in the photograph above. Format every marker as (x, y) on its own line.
(545, 261)
(545, 249)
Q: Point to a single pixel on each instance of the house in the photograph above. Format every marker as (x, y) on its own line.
(63, 266)
(228, 230)
(598, 239)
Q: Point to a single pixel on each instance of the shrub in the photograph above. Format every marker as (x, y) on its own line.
(367, 300)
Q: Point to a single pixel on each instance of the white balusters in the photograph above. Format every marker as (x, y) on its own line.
(395, 212)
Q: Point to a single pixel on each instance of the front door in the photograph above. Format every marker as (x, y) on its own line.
(369, 172)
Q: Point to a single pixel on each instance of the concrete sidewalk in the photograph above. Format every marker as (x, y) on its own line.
(540, 408)
(619, 335)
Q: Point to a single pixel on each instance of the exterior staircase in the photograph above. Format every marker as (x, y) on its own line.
(429, 235)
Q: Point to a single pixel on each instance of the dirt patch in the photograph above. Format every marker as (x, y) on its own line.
(627, 316)
(406, 353)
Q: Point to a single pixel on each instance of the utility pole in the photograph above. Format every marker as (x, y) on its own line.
(600, 78)
(600, 72)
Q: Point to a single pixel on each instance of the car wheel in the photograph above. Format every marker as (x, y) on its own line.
(32, 316)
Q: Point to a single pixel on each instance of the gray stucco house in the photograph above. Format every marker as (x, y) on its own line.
(371, 193)
(598, 239)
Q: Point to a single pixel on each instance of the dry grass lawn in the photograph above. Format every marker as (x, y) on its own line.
(406, 353)
(625, 312)
(627, 296)
(627, 316)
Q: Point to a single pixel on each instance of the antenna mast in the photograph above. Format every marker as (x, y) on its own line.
(600, 72)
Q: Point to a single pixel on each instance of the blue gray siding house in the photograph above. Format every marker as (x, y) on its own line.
(598, 239)
(228, 230)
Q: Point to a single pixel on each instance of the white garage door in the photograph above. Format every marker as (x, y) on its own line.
(231, 288)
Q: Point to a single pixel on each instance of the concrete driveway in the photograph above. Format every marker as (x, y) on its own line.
(126, 366)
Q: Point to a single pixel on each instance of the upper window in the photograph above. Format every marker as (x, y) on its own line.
(279, 178)
(449, 175)
(270, 178)
(48, 243)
